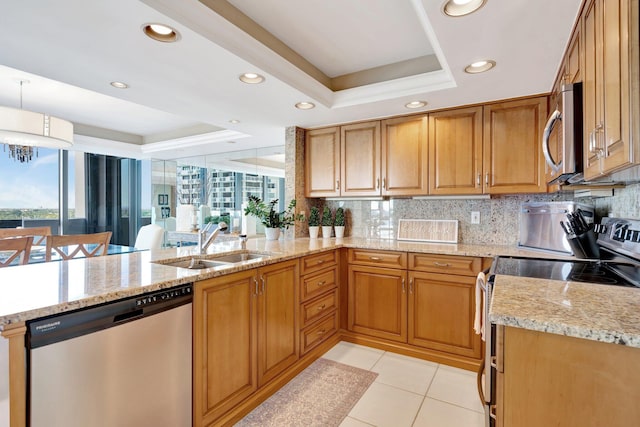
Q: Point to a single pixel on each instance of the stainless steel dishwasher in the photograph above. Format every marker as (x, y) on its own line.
(126, 363)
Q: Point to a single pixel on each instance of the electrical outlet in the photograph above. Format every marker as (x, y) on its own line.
(475, 217)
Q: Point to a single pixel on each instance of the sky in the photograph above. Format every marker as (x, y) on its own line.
(29, 185)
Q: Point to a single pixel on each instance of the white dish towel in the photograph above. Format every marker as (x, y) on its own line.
(478, 322)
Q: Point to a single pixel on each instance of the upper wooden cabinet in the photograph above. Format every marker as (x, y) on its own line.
(610, 72)
(455, 151)
(360, 165)
(513, 161)
(322, 162)
(378, 158)
(404, 156)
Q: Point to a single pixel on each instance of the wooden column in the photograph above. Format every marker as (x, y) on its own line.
(15, 333)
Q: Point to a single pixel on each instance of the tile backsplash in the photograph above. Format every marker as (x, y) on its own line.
(499, 216)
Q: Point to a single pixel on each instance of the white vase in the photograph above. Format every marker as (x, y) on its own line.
(272, 233)
(339, 231)
(326, 231)
(313, 231)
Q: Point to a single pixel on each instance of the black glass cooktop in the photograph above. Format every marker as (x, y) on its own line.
(601, 272)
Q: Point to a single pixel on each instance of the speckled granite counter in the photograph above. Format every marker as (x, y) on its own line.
(597, 312)
(38, 290)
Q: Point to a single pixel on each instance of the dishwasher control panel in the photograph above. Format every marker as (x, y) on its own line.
(162, 296)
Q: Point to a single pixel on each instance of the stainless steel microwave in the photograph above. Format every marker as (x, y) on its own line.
(562, 137)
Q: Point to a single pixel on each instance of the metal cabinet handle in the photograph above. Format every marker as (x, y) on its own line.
(441, 264)
(255, 281)
(321, 307)
(403, 285)
(337, 184)
(322, 283)
(478, 179)
(479, 382)
(411, 285)
(492, 411)
(321, 332)
(320, 261)
(263, 284)
(377, 183)
(375, 258)
(384, 183)
(486, 178)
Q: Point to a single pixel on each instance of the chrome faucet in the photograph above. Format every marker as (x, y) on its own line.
(243, 241)
(204, 241)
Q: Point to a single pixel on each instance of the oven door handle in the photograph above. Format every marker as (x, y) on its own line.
(479, 374)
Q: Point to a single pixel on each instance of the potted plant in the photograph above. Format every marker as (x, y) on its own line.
(314, 222)
(327, 222)
(339, 223)
(272, 220)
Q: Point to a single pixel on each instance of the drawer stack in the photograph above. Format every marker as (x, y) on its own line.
(318, 299)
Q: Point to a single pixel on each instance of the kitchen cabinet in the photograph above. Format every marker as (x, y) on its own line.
(513, 160)
(442, 302)
(224, 344)
(430, 306)
(319, 299)
(245, 334)
(360, 159)
(377, 158)
(405, 156)
(610, 73)
(322, 162)
(455, 151)
(546, 379)
(377, 299)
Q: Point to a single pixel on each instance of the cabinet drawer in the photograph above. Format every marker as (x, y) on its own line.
(316, 334)
(449, 264)
(387, 259)
(319, 261)
(319, 307)
(316, 284)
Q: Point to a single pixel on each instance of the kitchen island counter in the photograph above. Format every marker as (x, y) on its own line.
(596, 312)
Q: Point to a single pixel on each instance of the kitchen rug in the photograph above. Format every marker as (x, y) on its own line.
(321, 395)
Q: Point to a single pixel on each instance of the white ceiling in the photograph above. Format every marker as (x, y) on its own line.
(183, 95)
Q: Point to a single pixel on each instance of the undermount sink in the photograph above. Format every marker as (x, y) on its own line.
(211, 261)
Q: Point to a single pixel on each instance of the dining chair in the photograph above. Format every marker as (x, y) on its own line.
(149, 237)
(39, 234)
(69, 245)
(13, 248)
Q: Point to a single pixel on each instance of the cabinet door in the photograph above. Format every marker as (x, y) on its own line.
(573, 59)
(322, 162)
(455, 151)
(224, 344)
(405, 156)
(513, 161)
(441, 309)
(592, 90)
(277, 319)
(360, 155)
(377, 302)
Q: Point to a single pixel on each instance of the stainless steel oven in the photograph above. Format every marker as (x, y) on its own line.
(619, 242)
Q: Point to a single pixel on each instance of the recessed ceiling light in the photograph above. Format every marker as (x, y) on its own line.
(457, 8)
(119, 85)
(480, 66)
(305, 105)
(160, 32)
(415, 104)
(234, 121)
(251, 78)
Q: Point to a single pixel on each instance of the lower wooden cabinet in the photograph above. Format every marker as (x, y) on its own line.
(245, 334)
(431, 306)
(441, 310)
(378, 302)
(554, 380)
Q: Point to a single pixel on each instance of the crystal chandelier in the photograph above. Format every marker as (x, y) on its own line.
(23, 131)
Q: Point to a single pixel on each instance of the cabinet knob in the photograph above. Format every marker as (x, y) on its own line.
(320, 261)
(322, 283)
(321, 332)
(321, 307)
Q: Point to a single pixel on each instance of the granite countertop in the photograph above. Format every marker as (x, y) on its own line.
(39, 290)
(597, 312)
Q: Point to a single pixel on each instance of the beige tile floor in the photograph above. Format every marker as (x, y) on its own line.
(410, 392)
